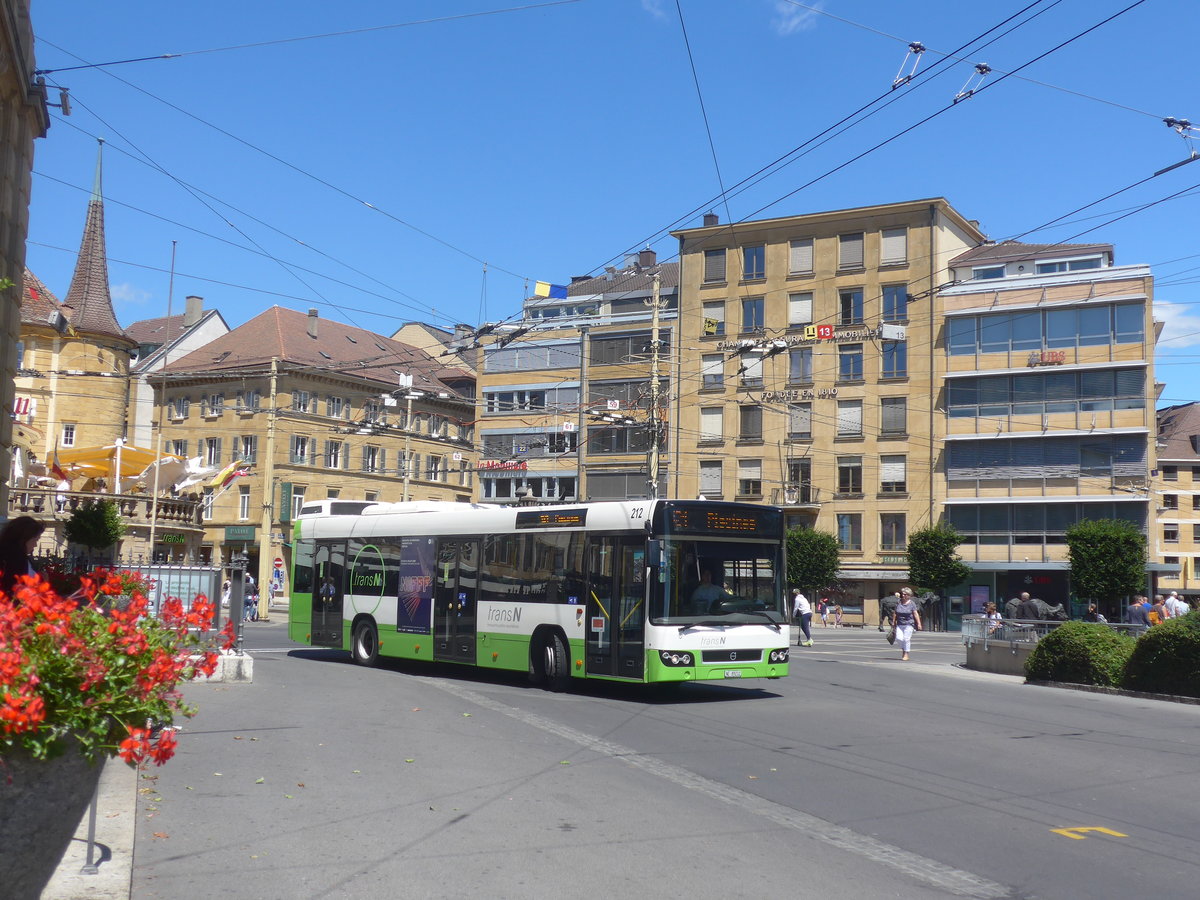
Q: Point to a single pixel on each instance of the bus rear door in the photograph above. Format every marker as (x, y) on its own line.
(329, 589)
(616, 609)
(455, 599)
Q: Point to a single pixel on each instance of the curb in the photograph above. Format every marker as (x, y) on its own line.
(1118, 692)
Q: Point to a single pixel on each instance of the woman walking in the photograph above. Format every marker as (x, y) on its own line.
(802, 613)
(905, 618)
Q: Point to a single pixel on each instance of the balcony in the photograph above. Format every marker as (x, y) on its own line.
(797, 495)
(52, 506)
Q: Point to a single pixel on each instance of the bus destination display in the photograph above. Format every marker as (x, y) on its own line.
(697, 520)
(557, 518)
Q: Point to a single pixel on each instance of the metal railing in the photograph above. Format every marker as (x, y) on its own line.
(978, 628)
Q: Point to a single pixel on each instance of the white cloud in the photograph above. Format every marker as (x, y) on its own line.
(129, 294)
(656, 8)
(790, 18)
(1182, 325)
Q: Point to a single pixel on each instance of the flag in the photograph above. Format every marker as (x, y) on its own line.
(546, 289)
(56, 468)
(235, 469)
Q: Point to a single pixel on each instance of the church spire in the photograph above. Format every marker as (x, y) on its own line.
(88, 295)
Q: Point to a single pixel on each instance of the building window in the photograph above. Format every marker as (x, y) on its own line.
(559, 442)
(849, 474)
(206, 507)
(895, 303)
(800, 365)
(800, 421)
(334, 454)
(892, 533)
(980, 273)
(248, 401)
(1068, 265)
(244, 502)
(247, 447)
(178, 448)
(714, 317)
(301, 401)
(180, 407)
(1196, 532)
(895, 359)
(752, 314)
(332, 493)
(849, 531)
(621, 439)
(371, 496)
(1094, 325)
(1171, 534)
(799, 484)
(893, 474)
(336, 407)
(850, 308)
(893, 246)
(1170, 501)
(752, 371)
(754, 261)
(714, 266)
(297, 499)
(893, 415)
(212, 405)
(1170, 473)
(850, 251)
(750, 477)
(849, 418)
(712, 365)
(850, 362)
(372, 458)
(712, 423)
(710, 477)
(68, 434)
(800, 309)
(436, 467)
(750, 423)
(800, 257)
(212, 451)
(300, 450)
(1195, 502)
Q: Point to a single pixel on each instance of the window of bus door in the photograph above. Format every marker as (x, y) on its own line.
(702, 580)
(616, 613)
(329, 588)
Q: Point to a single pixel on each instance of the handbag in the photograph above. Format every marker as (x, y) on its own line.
(891, 635)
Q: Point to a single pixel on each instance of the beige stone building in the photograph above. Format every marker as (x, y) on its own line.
(1175, 543)
(23, 118)
(326, 396)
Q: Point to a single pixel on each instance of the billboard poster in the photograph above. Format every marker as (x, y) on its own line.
(414, 604)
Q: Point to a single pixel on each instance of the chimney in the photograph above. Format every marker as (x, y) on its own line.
(312, 323)
(711, 218)
(647, 258)
(194, 310)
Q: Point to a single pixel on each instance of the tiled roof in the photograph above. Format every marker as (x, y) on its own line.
(156, 331)
(37, 303)
(88, 295)
(1177, 425)
(1005, 251)
(280, 333)
(627, 280)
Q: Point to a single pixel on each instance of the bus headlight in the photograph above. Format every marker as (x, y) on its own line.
(779, 656)
(675, 657)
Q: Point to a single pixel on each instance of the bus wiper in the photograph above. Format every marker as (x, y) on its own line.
(683, 629)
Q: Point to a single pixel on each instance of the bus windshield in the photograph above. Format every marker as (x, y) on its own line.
(721, 582)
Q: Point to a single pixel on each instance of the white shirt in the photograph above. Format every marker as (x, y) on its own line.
(800, 604)
(1177, 607)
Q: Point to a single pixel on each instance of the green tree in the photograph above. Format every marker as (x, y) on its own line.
(96, 524)
(932, 561)
(1108, 560)
(812, 559)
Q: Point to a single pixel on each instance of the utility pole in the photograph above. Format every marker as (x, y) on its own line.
(265, 552)
(161, 407)
(655, 427)
(406, 382)
(580, 429)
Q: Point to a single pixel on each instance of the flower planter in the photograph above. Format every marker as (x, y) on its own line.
(41, 805)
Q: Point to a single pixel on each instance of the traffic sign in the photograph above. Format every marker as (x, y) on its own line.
(279, 562)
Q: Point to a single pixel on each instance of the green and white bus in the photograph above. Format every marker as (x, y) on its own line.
(639, 590)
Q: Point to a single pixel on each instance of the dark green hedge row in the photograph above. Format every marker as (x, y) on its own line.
(1163, 660)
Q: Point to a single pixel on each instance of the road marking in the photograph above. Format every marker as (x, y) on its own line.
(920, 868)
(1076, 833)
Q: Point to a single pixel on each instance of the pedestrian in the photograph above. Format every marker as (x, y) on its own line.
(1158, 610)
(1137, 612)
(249, 600)
(802, 613)
(905, 618)
(226, 588)
(1029, 608)
(1176, 607)
(837, 615)
(1093, 615)
(18, 540)
(992, 615)
(823, 609)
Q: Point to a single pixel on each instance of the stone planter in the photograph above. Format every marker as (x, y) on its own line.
(41, 805)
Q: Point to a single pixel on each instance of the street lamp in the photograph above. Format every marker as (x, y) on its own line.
(406, 381)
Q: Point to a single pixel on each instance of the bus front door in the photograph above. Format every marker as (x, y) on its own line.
(329, 588)
(616, 609)
(455, 598)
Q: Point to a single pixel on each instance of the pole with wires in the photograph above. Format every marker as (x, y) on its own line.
(655, 428)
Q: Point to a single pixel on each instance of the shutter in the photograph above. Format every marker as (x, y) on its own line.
(1060, 458)
(1129, 455)
(1131, 382)
(894, 246)
(800, 257)
(850, 251)
(752, 369)
(750, 469)
(1096, 385)
(714, 265)
(892, 469)
(894, 415)
(800, 419)
(962, 461)
(710, 478)
(1061, 385)
(800, 311)
(849, 417)
(711, 424)
(217, 458)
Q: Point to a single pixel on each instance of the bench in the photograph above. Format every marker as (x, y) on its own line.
(853, 616)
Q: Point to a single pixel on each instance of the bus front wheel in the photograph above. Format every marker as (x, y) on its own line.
(364, 646)
(555, 661)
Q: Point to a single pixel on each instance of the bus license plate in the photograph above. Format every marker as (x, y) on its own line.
(733, 673)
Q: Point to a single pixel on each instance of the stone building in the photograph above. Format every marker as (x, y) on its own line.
(23, 118)
(1175, 543)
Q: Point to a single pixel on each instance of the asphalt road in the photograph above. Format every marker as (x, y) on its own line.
(858, 776)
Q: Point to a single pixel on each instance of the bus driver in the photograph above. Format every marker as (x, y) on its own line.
(706, 592)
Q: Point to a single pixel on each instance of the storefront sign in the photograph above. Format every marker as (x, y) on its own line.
(503, 464)
(797, 394)
(1047, 358)
(239, 533)
(173, 539)
(813, 333)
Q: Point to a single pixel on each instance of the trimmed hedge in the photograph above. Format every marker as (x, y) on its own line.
(1080, 653)
(1166, 659)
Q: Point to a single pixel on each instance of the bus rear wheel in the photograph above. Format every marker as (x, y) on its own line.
(555, 663)
(364, 646)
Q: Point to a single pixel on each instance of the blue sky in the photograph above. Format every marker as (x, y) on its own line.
(546, 139)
